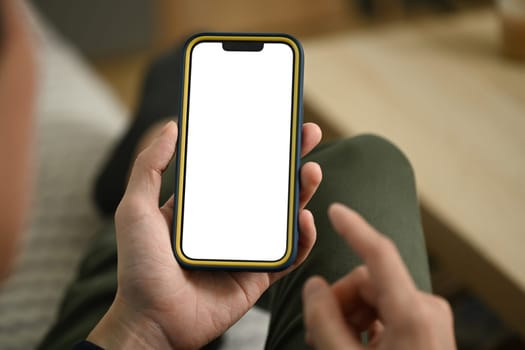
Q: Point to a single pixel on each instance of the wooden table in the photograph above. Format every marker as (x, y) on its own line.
(442, 92)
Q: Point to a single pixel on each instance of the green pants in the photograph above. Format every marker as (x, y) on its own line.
(366, 173)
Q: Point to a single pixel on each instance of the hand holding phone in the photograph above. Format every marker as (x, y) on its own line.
(157, 301)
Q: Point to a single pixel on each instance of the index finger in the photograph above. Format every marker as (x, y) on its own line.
(394, 287)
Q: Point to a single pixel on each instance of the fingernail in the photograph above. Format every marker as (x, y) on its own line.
(312, 286)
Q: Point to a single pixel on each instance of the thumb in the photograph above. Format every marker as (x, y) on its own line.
(145, 180)
(142, 193)
(325, 325)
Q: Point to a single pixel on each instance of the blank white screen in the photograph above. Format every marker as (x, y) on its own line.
(238, 152)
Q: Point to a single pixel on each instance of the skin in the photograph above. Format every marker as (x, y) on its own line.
(379, 297)
(17, 94)
(157, 301)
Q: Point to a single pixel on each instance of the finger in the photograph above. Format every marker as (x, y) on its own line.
(145, 180)
(324, 321)
(307, 237)
(438, 309)
(362, 317)
(375, 331)
(394, 287)
(347, 289)
(169, 203)
(167, 210)
(311, 137)
(152, 133)
(311, 177)
(352, 292)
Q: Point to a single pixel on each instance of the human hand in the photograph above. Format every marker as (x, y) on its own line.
(379, 297)
(160, 305)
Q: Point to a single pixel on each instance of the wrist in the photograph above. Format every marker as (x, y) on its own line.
(124, 328)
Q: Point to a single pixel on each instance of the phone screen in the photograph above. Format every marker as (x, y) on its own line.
(238, 152)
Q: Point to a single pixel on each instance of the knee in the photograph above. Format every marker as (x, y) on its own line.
(369, 157)
(382, 152)
(369, 162)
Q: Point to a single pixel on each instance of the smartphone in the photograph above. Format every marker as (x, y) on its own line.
(238, 155)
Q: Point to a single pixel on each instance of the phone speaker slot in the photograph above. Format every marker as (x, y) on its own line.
(235, 45)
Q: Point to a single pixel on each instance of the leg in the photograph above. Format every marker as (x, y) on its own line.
(372, 176)
(89, 296)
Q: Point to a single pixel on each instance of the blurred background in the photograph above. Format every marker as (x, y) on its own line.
(444, 79)
(120, 37)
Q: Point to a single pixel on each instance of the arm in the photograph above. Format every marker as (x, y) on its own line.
(16, 128)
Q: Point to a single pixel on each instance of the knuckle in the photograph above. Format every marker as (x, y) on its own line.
(419, 315)
(426, 314)
(360, 272)
(427, 317)
(128, 206)
(442, 306)
(118, 212)
(428, 310)
(141, 159)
